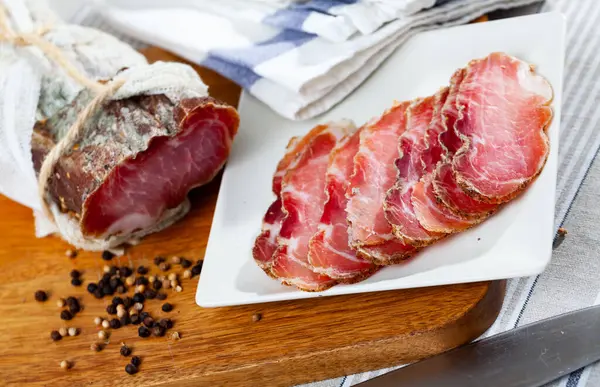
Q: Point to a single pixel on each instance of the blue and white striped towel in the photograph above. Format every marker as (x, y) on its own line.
(294, 70)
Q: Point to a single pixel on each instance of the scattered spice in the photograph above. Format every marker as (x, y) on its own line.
(125, 350)
(126, 271)
(74, 308)
(111, 309)
(97, 321)
(158, 260)
(75, 273)
(166, 284)
(41, 296)
(127, 302)
(174, 284)
(96, 347)
(71, 253)
(125, 320)
(55, 336)
(176, 260)
(121, 289)
(140, 288)
(105, 324)
(121, 313)
(164, 266)
(157, 285)
(143, 331)
(60, 303)
(102, 335)
(92, 287)
(560, 237)
(187, 274)
(131, 369)
(175, 336)
(138, 297)
(143, 315)
(142, 270)
(98, 293)
(136, 361)
(135, 319)
(150, 294)
(117, 301)
(197, 269)
(158, 331)
(166, 323)
(138, 306)
(167, 307)
(256, 317)
(107, 255)
(185, 263)
(63, 331)
(148, 322)
(562, 231)
(130, 281)
(172, 277)
(66, 315)
(161, 296)
(115, 323)
(65, 365)
(76, 282)
(73, 331)
(106, 269)
(178, 289)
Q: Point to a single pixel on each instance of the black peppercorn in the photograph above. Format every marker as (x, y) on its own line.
(91, 288)
(98, 293)
(135, 319)
(75, 273)
(167, 307)
(141, 281)
(71, 300)
(127, 302)
(143, 315)
(196, 269)
(41, 296)
(158, 331)
(108, 291)
(117, 300)
(136, 361)
(138, 297)
(143, 331)
(66, 315)
(107, 255)
(131, 369)
(55, 336)
(164, 266)
(149, 294)
(121, 289)
(74, 308)
(148, 322)
(102, 283)
(161, 296)
(157, 285)
(115, 323)
(158, 260)
(111, 309)
(142, 270)
(125, 350)
(115, 283)
(166, 323)
(125, 320)
(76, 281)
(185, 263)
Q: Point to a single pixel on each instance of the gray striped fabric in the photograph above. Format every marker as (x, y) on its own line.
(572, 280)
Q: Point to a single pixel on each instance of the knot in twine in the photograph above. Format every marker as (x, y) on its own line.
(103, 92)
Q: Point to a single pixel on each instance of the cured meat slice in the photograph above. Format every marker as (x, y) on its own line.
(399, 210)
(329, 252)
(374, 173)
(303, 197)
(138, 159)
(503, 109)
(266, 242)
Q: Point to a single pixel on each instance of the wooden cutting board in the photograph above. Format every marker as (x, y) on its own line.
(294, 342)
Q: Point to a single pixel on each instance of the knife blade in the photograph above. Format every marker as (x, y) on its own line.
(528, 356)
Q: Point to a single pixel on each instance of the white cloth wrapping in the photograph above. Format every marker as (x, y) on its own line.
(33, 88)
(298, 74)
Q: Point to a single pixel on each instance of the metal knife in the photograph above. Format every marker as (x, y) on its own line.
(528, 356)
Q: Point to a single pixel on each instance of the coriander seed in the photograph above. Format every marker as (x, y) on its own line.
(66, 315)
(60, 303)
(140, 289)
(172, 277)
(125, 350)
(96, 347)
(73, 331)
(65, 365)
(175, 336)
(131, 369)
(138, 306)
(187, 274)
(121, 312)
(105, 324)
(167, 307)
(151, 279)
(63, 332)
(98, 321)
(102, 335)
(176, 260)
(174, 284)
(130, 281)
(41, 296)
(178, 289)
(256, 317)
(55, 336)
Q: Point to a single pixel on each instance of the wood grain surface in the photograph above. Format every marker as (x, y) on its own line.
(294, 342)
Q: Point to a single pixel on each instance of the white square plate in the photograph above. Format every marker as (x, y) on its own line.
(515, 242)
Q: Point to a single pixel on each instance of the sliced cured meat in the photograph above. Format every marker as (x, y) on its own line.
(374, 173)
(399, 210)
(131, 172)
(434, 150)
(329, 252)
(303, 198)
(503, 115)
(266, 243)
